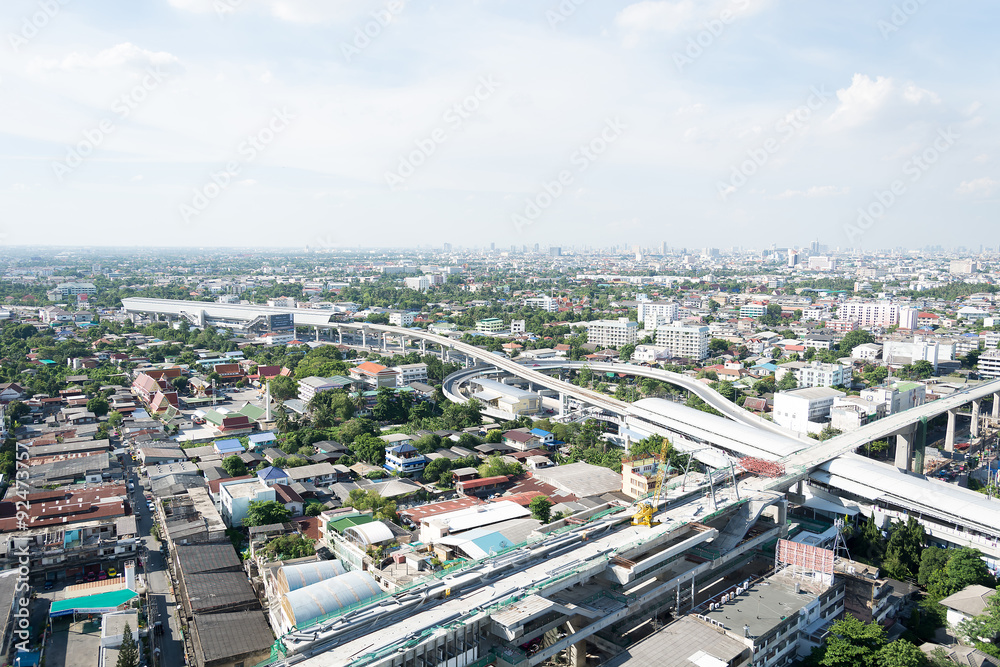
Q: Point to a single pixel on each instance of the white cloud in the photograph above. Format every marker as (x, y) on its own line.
(861, 100)
(867, 99)
(814, 192)
(125, 54)
(984, 187)
(293, 11)
(679, 16)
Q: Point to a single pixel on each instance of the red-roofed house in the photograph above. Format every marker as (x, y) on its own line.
(228, 372)
(374, 375)
(482, 487)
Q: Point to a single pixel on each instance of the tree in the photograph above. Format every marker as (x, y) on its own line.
(370, 449)
(852, 643)
(541, 508)
(234, 466)
(433, 470)
(921, 370)
(765, 385)
(902, 552)
(115, 418)
(727, 390)
(787, 382)
(854, 338)
(626, 351)
(717, 346)
(180, 383)
(283, 388)
(314, 508)
(931, 560)
(285, 547)
(494, 435)
(965, 566)
(98, 405)
(496, 465)
(264, 512)
(128, 653)
(900, 653)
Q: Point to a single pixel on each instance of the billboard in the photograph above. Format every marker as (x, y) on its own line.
(280, 322)
(805, 557)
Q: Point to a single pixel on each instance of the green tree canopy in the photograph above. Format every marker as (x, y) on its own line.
(234, 466)
(541, 508)
(265, 512)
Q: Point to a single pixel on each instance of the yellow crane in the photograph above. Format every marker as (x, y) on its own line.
(644, 512)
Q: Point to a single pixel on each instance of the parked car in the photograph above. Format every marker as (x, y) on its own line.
(49, 584)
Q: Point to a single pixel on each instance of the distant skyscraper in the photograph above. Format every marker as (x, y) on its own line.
(793, 257)
(447, 247)
(493, 246)
(536, 248)
(555, 251)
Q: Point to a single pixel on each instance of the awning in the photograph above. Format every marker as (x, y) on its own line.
(832, 506)
(92, 604)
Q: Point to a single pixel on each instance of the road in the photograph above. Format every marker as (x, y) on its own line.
(157, 576)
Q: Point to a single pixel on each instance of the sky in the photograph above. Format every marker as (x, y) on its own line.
(295, 123)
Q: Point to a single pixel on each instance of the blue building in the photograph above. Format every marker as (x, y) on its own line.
(404, 459)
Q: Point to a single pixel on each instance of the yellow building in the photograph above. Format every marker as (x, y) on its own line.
(639, 475)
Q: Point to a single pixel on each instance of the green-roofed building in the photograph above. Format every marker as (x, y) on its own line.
(343, 523)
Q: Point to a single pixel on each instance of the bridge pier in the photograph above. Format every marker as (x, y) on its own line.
(974, 427)
(317, 333)
(340, 336)
(423, 346)
(364, 338)
(562, 404)
(996, 406)
(904, 448)
(384, 342)
(949, 437)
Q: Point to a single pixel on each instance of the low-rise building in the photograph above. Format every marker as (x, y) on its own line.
(489, 325)
(804, 410)
(237, 495)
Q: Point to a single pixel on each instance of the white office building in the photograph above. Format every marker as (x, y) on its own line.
(684, 340)
(546, 303)
(818, 374)
(401, 319)
(804, 410)
(656, 313)
(612, 333)
(873, 314)
(989, 364)
(407, 374)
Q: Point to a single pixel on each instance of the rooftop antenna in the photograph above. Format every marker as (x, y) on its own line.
(838, 542)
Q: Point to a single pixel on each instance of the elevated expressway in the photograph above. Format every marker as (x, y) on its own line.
(517, 593)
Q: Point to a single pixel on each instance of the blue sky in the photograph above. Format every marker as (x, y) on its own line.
(337, 124)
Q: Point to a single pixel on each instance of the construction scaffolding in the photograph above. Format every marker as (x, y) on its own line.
(762, 467)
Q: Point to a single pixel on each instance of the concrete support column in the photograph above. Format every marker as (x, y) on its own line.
(384, 342)
(317, 333)
(364, 339)
(904, 449)
(562, 404)
(423, 346)
(949, 438)
(340, 336)
(996, 406)
(974, 427)
(578, 654)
